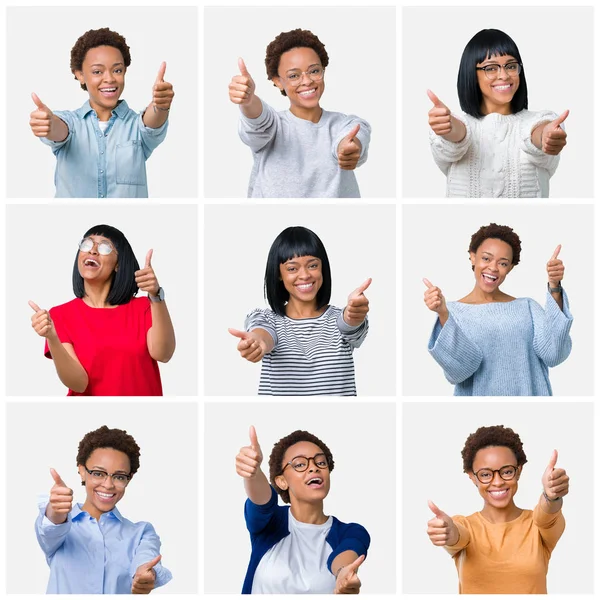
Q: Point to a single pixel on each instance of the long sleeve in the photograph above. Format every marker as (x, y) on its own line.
(444, 152)
(353, 335)
(551, 527)
(364, 135)
(50, 536)
(453, 351)
(260, 516)
(464, 536)
(552, 342)
(535, 155)
(257, 133)
(348, 537)
(147, 549)
(151, 137)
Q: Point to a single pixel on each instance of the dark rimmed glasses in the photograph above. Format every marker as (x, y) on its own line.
(104, 247)
(507, 472)
(120, 480)
(512, 69)
(300, 463)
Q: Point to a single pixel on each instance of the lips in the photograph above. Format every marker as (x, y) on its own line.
(489, 278)
(505, 87)
(498, 494)
(308, 93)
(91, 263)
(315, 483)
(104, 496)
(108, 92)
(305, 287)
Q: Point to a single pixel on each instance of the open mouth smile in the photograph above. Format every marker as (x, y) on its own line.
(104, 497)
(308, 93)
(505, 87)
(108, 91)
(305, 287)
(315, 483)
(489, 278)
(90, 262)
(498, 494)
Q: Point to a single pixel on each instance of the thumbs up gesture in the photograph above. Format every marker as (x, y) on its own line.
(440, 118)
(349, 150)
(434, 299)
(554, 137)
(441, 529)
(42, 322)
(358, 305)
(40, 119)
(555, 268)
(242, 86)
(145, 577)
(61, 500)
(162, 91)
(249, 458)
(146, 278)
(555, 481)
(250, 347)
(347, 581)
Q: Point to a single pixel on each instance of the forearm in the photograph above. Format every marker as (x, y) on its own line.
(536, 134)
(550, 508)
(558, 298)
(58, 130)
(458, 133)
(161, 336)
(443, 317)
(264, 338)
(253, 109)
(258, 488)
(69, 370)
(154, 117)
(342, 560)
(56, 518)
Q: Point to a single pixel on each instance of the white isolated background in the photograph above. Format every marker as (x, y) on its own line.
(41, 244)
(40, 436)
(435, 242)
(364, 459)
(360, 243)
(433, 436)
(559, 70)
(39, 42)
(360, 80)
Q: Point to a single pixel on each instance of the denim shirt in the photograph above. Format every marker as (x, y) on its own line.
(110, 164)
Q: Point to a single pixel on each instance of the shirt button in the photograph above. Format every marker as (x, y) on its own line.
(101, 171)
(101, 195)
(101, 151)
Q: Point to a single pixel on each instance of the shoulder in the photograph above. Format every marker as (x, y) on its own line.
(67, 307)
(349, 529)
(264, 315)
(140, 304)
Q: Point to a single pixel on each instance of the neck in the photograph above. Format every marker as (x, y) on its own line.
(305, 512)
(501, 109)
(302, 310)
(501, 515)
(308, 114)
(96, 294)
(478, 296)
(91, 510)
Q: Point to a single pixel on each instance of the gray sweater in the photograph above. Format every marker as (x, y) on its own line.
(295, 158)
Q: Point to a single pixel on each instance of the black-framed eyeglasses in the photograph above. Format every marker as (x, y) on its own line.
(120, 480)
(512, 69)
(300, 463)
(104, 247)
(507, 472)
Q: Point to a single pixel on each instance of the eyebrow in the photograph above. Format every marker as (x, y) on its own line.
(99, 468)
(503, 258)
(101, 65)
(299, 69)
(495, 62)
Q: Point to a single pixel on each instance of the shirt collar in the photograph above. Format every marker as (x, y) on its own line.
(120, 110)
(76, 513)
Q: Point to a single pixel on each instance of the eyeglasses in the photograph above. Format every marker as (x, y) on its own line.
(120, 480)
(315, 73)
(88, 243)
(300, 463)
(507, 472)
(512, 69)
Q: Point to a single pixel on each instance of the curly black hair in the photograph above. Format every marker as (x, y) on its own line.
(279, 450)
(495, 435)
(288, 40)
(117, 439)
(497, 232)
(92, 39)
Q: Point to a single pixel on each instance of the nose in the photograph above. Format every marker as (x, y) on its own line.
(497, 479)
(503, 73)
(106, 483)
(304, 77)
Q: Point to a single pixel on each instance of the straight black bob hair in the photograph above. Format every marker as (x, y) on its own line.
(123, 286)
(294, 242)
(484, 45)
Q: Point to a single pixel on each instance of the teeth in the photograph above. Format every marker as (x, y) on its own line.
(104, 495)
(490, 277)
(304, 286)
(501, 87)
(307, 92)
(91, 262)
(108, 89)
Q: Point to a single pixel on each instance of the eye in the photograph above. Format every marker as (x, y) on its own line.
(96, 72)
(486, 259)
(118, 70)
(491, 68)
(98, 474)
(120, 478)
(293, 76)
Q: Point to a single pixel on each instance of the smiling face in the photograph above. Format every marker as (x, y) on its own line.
(308, 486)
(492, 263)
(103, 496)
(498, 493)
(103, 73)
(497, 92)
(302, 277)
(95, 267)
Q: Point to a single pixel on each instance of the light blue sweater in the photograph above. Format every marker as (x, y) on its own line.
(502, 348)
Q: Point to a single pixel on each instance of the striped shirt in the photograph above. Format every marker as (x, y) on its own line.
(311, 357)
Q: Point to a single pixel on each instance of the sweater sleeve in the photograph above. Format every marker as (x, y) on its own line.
(364, 135)
(257, 133)
(464, 536)
(444, 152)
(262, 319)
(550, 527)
(454, 351)
(551, 326)
(351, 537)
(259, 516)
(353, 335)
(536, 156)
(50, 536)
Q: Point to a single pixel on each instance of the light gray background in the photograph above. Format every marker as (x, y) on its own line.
(435, 245)
(559, 77)
(41, 245)
(363, 482)
(360, 243)
(360, 80)
(433, 436)
(167, 434)
(39, 42)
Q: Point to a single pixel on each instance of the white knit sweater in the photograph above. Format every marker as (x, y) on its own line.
(496, 159)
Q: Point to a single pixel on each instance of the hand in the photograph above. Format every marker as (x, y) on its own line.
(249, 347)
(162, 91)
(61, 500)
(242, 86)
(555, 481)
(358, 305)
(41, 322)
(554, 137)
(555, 268)
(347, 581)
(441, 529)
(146, 278)
(349, 150)
(145, 577)
(249, 458)
(40, 119)
(434, 299)
(440, 118)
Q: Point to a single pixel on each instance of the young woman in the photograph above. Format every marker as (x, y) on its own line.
(496, 148)
(304, 343)
(304, 151)
(101, 149)
(490, 343)
(91, 548)
(502, 549)
(105, 342)
(297, 549)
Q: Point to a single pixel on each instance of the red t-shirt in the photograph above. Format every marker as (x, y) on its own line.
(111, 345)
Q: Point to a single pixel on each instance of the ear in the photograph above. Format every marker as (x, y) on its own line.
(277, 82)
(79, 75)
(281, 482)
(82, 473)
(473, 478)
(116, 267)
(519, 469)
(472, 258)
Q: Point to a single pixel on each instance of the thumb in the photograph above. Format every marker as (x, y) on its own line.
(440, 514)
(436, 101)
(148, 259)
(37, 101)
(350, 137)
(359, 561)
(560, 119)
(427, 283)
(553, 461)
(151, 563)
(242, 67)
(361, 288)
(33, 305)
(254, 438)
(161, 72)
(57, 478)
(556, 252)
(243, 335)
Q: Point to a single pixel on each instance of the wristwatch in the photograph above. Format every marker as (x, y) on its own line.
(159, 298)
(556, 289)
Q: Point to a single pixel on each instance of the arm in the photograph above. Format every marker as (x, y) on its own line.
(354, 336)
(260, 337)
(144, 562)
(351, 147)
(50, 536)
(533, 130)
(354, 316)
(157, 112)
(45, 124)
(247, 465)
(551, 327)
(161, 336)
(350, 544)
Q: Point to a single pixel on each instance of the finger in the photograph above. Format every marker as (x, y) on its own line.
(440, 514)
(242, 67)
(436, 101)
(560, 119)
(57, 478)
(243, 335)
(148, 259)
(33, 305)
(37, 101)
(553, 460)
(556, 252)
(427, 283)
(253, 438)
(350, 137)
(161, 72)
(359, 561)
(151, 563)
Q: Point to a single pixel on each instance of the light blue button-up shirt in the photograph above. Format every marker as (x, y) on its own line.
(87, 556)
(91, 163)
